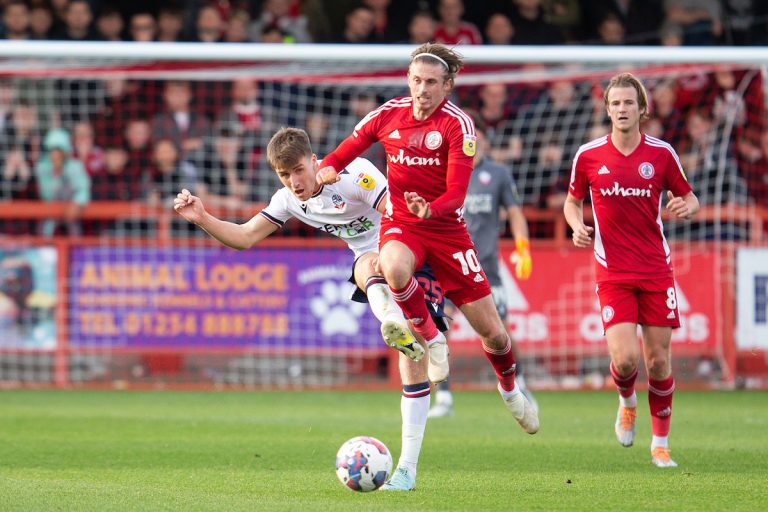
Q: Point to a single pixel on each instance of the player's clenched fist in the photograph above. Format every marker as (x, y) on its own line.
(521, 259)
(188, 206)
(327, 175)
(582, 236)
(678, 207)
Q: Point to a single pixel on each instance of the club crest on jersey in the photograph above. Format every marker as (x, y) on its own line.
(470, 144)
(646, 170)
(338, 202)
(484, 177)
(433, 140)
(607, 314)
(365, 181)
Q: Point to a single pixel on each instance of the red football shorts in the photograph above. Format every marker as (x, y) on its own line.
(452, 257)
(639, 301)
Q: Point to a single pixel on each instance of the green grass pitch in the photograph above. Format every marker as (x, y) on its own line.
(275, 451)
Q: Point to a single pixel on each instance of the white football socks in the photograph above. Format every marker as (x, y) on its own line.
(383, 305)
(509, 394)
(414, 412)
(630, 401)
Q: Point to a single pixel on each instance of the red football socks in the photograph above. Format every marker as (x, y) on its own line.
(625, 385)
(660, 402)
(503, 362)
(411, 301)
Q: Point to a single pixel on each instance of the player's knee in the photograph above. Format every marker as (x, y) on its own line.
(624, 367)
(396, 274)
(496, 339)
(657, 366)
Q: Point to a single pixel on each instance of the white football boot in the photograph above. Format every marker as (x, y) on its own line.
(522, 410)
(520, 383)
(660, 458)
(440, 410)
(437, 369)
(625, 425)
(402, 480)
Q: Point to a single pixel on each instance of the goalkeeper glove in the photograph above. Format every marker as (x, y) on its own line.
(521, 258)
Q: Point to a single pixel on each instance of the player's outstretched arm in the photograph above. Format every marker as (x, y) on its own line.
(574, 216)
(683, 207)
(237, 236)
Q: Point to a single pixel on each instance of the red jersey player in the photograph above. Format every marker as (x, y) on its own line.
(430, 143)
(625, 173)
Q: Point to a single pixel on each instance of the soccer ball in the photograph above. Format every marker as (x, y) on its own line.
(363, 463)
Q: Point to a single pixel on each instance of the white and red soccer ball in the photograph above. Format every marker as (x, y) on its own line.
(363, 463)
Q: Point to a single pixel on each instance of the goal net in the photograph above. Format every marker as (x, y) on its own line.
(120, 291)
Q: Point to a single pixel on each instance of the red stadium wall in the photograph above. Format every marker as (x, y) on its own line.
(555, 314)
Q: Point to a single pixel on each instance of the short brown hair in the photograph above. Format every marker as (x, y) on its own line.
(287, 147)
(629, 80)
(453, 60)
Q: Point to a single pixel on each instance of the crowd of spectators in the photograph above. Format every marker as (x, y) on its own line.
(141, 140)
(693, 22)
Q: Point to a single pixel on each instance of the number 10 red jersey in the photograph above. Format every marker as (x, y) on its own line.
(432, 157)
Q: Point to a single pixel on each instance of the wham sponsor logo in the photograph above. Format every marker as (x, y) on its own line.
(618, 190)
(402, 158)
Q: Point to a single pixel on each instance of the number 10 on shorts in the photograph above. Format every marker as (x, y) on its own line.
(468, 261)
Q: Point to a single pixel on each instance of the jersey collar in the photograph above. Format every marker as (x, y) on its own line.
(439, 107)
(642, 141)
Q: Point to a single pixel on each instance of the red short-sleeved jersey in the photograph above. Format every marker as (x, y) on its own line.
(626, 192)
(432, 157)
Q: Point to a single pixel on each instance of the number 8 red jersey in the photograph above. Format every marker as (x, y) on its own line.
(626, 193)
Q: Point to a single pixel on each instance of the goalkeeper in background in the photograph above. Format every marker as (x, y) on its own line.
(491, 188)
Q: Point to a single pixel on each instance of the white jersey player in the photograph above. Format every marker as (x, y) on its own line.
(350, 209)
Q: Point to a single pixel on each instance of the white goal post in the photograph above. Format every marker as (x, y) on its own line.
(392, 53)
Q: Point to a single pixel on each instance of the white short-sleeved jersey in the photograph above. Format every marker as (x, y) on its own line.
(346, 209)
